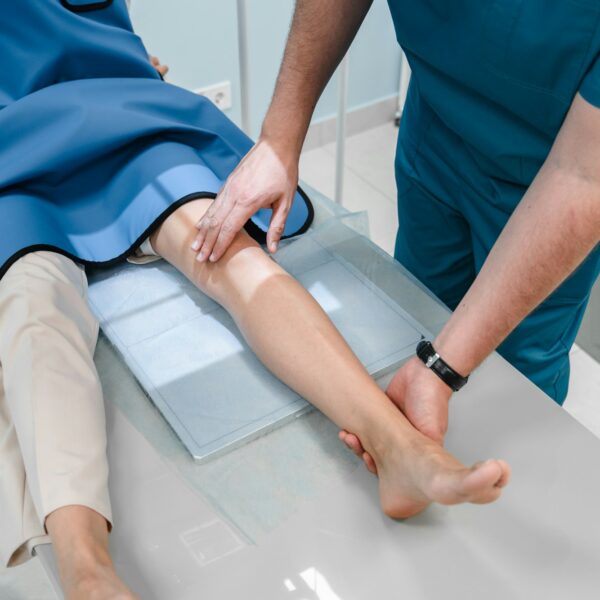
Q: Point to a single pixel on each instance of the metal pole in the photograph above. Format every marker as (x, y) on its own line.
(242, 19)
(343, 72)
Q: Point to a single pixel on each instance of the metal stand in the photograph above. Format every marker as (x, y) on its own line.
(341, 128)
(243, 49)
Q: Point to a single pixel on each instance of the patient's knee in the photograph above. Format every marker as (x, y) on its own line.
(241, 268)
(173, 239)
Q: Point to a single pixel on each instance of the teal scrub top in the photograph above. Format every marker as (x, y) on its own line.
(501, 74)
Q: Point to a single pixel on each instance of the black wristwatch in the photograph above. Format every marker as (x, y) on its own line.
(433, 361)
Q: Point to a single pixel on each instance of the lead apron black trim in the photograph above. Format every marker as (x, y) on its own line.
(254, 231)
(87, 6)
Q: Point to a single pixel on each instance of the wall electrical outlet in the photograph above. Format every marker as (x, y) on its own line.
(219, 94)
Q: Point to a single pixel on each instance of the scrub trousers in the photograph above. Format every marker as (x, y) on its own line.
(448, 222)
(52, 419)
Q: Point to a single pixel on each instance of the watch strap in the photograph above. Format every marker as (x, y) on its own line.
(433, 361)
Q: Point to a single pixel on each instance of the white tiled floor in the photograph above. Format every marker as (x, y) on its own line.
(369, 185)
(369, 182)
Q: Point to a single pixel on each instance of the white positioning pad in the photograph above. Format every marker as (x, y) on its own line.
(192, 361)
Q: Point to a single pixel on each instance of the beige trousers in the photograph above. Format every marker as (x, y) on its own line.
(52, 421)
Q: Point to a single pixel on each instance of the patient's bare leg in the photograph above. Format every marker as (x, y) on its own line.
(80, 541)
(296, 340)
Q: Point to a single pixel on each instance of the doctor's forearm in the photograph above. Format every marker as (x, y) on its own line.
(554, 228)
(556, 225)
(320, 35)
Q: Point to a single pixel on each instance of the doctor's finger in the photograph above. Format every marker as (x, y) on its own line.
(209, 231)
(209, 225)
(277, 226)
(369, 463)
(352, 443)
(233, 224)
(213, 209)
(223, 204)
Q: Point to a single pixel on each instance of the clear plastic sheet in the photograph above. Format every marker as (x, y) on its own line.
(190, 358)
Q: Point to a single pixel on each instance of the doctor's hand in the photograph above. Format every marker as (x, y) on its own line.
(423, 398)
(266, 178)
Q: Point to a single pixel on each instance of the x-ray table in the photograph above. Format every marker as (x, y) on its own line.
(292, 515)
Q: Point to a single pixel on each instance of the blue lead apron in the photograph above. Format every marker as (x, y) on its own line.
(95, 149)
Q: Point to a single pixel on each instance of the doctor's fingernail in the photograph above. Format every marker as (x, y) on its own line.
(213, 257)
(201, 257)
(196, 246)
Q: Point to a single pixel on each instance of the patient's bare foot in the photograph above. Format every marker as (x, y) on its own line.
(414, 471)
(421, 396)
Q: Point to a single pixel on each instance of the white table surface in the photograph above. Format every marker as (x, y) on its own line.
(292, 515)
